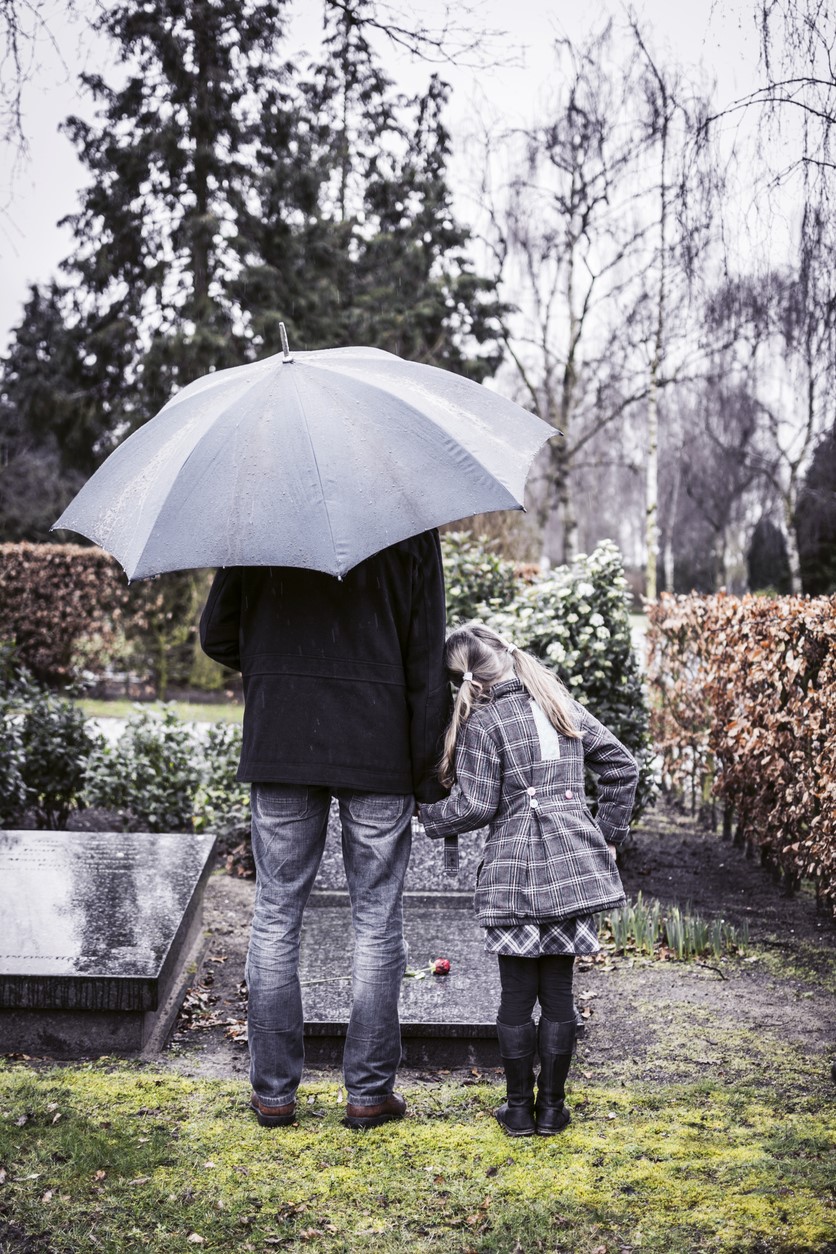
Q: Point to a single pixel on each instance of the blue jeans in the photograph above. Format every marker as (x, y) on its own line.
(289, 826)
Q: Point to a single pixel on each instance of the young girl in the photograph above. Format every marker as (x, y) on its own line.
(515, 753)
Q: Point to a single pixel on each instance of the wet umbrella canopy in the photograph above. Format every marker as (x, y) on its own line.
(316, 459)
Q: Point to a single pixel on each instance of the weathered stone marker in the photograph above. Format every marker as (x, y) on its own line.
(447, 1021)
(96, 930)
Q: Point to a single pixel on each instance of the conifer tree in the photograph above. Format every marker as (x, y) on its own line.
(169, 159)
(353, 239)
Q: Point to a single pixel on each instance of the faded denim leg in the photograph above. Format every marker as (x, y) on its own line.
(377, 840)
(289, 825)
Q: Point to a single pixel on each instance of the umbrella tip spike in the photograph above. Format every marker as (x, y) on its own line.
(286, 353)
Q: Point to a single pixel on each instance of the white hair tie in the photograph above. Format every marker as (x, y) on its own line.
(510, 648)
(467, 675)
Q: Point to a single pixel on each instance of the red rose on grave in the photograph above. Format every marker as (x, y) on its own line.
(441, 966)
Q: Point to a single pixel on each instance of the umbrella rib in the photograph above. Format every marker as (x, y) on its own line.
(294, 378)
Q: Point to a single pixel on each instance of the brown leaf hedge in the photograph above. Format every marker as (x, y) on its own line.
(52, 596)
(743, 709)
(56, 599)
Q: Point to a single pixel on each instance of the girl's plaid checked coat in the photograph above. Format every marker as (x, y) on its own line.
(545, 857)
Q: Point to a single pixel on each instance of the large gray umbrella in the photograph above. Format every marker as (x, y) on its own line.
(317, 460)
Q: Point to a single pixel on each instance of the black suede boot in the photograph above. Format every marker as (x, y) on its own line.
(555, 1042)
(516, 1049)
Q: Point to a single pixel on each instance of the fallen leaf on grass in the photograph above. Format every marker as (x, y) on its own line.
(140, 1180)
(195, 1239)
(99, 1175)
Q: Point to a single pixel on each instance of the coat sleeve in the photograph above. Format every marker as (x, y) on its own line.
(618, 777)
(220, 622)
(427, 686)
(475, 797)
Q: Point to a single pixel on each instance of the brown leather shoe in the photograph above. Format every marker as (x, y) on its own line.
(273, 1116)
(371, 1116)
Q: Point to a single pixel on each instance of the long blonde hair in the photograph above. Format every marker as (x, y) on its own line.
(477, 658)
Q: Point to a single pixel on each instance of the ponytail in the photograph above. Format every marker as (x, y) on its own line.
(477, 658)
(544, 687)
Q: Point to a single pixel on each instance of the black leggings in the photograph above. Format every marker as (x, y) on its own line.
(524, 981)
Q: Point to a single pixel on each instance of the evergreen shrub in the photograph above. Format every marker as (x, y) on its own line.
(221, 804)
(477, 579)
(46, 745)
(12, 697)
(57, 746)
(151, 773)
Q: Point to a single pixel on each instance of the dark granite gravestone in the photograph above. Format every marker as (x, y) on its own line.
(447, 1021)
(97, 929)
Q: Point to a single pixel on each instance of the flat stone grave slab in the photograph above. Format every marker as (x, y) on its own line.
(447, 1021)
(97, 931)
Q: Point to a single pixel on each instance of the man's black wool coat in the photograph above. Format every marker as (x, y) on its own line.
(344, 680)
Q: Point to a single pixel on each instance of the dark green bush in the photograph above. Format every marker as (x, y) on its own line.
(477, 580)
(56, 748)
(151, 773)
(221, 804)
(12, 788)
(45, 750)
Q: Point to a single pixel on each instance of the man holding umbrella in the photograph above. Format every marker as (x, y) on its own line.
(314, 482)
(346, 696)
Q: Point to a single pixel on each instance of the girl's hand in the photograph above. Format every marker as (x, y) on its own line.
(614, 851)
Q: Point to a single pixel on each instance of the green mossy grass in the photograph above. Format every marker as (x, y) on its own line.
(803, 961)
(112, 1157)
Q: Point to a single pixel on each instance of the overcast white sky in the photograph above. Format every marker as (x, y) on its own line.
(718, 34)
